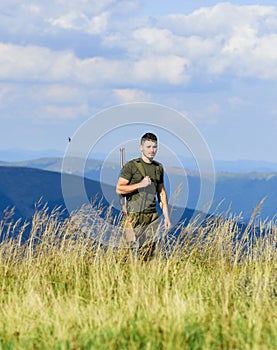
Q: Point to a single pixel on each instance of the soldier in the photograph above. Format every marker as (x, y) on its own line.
(142, 183)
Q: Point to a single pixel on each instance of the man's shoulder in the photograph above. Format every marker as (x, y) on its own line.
(137, 163)
(135, 160)
(131, 162)
(155, 162)
(129, 166)
(139, 160)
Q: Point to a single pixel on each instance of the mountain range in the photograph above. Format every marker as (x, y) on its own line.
(232, 166)
(236, 193)
(25, 189)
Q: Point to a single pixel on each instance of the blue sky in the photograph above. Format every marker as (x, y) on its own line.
(215, 62)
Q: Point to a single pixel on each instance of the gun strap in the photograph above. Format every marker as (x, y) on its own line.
(140, 167)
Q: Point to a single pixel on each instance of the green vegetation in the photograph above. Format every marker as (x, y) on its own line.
(59, 292)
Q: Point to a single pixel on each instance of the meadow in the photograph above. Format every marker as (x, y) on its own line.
(62, 290)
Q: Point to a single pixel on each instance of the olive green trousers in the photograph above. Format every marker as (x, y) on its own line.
(144, 229)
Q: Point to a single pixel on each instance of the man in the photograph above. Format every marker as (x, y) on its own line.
(142, 182)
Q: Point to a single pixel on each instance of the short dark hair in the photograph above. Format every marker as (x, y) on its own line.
(149, 136)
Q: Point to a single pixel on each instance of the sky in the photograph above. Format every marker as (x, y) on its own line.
(63, 61)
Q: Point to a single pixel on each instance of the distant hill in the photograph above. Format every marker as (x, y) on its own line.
(235, 166)
(236, 193)
(19, 157)
(241, 192)
(93, 166)
(16, 155)
(23, 187)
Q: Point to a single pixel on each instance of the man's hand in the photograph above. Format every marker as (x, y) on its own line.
(167, 223)
(145, 182)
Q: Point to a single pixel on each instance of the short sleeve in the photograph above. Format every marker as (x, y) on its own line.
(126, 172)
(162, 174)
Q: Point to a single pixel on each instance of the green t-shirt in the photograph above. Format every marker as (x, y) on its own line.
(144, 199)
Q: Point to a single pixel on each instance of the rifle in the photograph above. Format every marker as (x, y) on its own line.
(123, 199)
(128, 228)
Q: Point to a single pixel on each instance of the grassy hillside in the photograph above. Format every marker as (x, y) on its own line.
(60, 289)
(66, 292)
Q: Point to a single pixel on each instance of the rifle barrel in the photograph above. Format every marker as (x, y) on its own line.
(122, 157)
(123, 200)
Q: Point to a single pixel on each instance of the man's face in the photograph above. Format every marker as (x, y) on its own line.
(149, 149)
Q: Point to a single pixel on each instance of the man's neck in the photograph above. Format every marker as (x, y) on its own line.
(146, 160)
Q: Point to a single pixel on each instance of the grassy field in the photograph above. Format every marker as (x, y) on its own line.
(59, 292)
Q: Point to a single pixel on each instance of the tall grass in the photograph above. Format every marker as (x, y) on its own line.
(62, 290)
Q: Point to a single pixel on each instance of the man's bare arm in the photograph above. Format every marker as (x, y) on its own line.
(164, 205)
(123, 186)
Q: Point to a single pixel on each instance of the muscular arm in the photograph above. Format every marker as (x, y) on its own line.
(123, 186)
(164, 205)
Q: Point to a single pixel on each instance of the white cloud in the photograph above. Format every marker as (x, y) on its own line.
(142, 57)
(98, 71)
(130, 95)
(162, 69)
(33, 63)
(98, 24)
(79, 21)
(63, 60)
(43, 102)
(220, 19)
(70, 20)
(159, 40)
(249, 55)
(214, 41)
(43, 65)
(40, 17)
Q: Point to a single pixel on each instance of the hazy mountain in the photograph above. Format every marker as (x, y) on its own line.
(23, 188)
(241, 192)
(233, 166)
(245, 166)
(55, 164)
(17, 155)
(235, 193)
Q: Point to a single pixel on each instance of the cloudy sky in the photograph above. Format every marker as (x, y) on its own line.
(62, 61)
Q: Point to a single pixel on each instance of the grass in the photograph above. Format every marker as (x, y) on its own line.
(60, 290)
